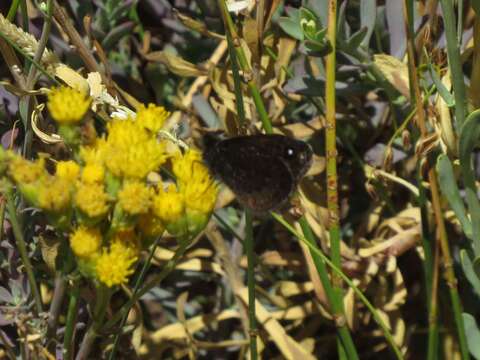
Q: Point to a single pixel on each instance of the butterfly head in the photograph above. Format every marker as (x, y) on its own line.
(298, 156)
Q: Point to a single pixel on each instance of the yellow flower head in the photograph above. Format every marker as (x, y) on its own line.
(67, 105)
(114, 265)
(85, 242)
(92, 199)
(26, 172)
(194, 182)
(54, 194)
(152, 117)
(135, 197)
(132, 151)
(93, 173)
(150, 225)
(200, 193)
(94, 154)
(168, 205)
(68, 170)
(183, 164)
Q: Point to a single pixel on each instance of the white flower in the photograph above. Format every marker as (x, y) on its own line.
(238, 5)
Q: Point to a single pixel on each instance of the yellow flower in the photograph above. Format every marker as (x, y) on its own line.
(54, 194)
(150, 225)
(135, 198)
(194, 182)
(200, 197)
(152, 117)
(94, 154)
(168, 205)
(67, 105)
(68, 170)
(131, 151)
(183, 164)
(92, 199)
(85, 242)
(114, 266)
(93, 173)
(26, 172)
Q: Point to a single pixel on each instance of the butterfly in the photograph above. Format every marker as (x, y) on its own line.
(262, 170)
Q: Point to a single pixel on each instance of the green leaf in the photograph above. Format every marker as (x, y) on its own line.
(469, 135)
(474, 210)
(320, 8)
(469, 271)
(476, 266)
(473, 335)
(117, 33)
(449, 188)
(442, 90)
(356, 39)
(291, 25)
(368, 14)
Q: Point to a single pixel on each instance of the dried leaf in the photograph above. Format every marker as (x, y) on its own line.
(395, 71)
(176, 64)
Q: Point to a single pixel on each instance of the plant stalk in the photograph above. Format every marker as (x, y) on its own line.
(22, 248)
(249, 249)
(68, 343)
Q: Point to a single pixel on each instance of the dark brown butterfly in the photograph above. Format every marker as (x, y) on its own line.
(262, 170)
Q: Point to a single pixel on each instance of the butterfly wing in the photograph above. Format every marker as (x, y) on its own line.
(261, 180)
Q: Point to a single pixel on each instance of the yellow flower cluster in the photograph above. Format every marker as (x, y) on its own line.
(103, 200)
(67, 105)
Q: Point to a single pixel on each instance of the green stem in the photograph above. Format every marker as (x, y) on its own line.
(237, 83)
(68, 343)
(3, 206)
(432, 298)
(460, 21)
(454, 61)
(24, 12)
(22, 248)
(245, 67)
(336, 303)
(42, 44)
(13, 10)
(249, 249)
(331, 155)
